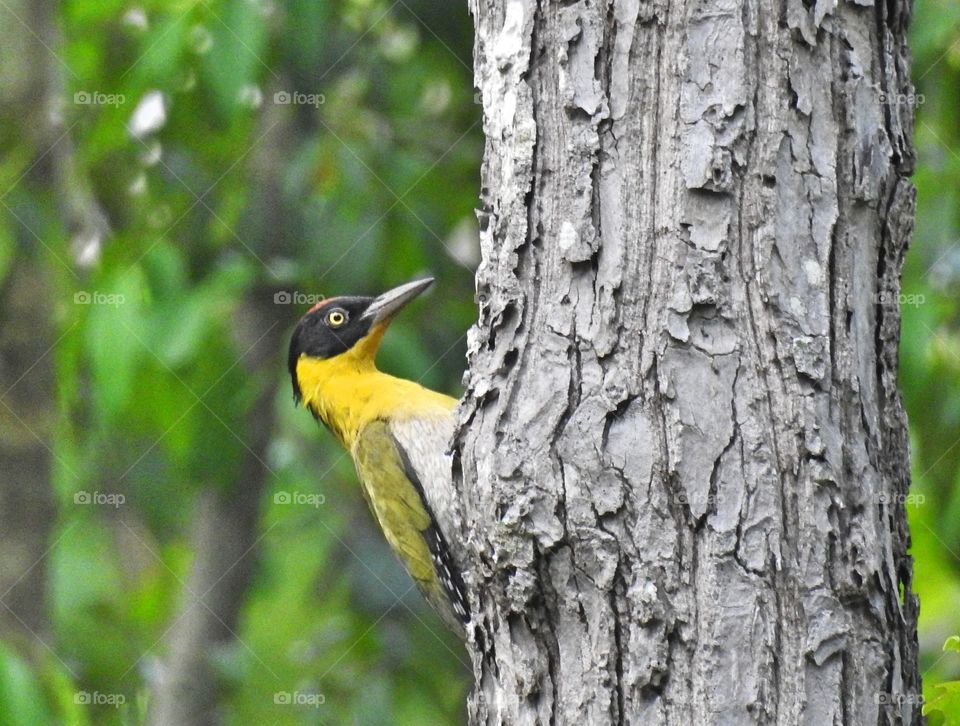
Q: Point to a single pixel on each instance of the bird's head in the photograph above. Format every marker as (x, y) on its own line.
(348, 329)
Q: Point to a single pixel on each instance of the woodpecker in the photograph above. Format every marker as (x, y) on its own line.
(396, 431)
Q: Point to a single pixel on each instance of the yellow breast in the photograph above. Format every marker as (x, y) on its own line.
(347, 392)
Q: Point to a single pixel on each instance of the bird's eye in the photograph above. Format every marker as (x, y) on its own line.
(336, 318)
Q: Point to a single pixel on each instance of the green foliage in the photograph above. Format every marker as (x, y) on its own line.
(930, 351)
(20, 692)
(942, 707)
(356, 184)
(42, 693)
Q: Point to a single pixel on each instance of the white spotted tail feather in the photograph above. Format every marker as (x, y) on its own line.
(448, 574)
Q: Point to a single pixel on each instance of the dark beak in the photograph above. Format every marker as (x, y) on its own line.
(389, 304)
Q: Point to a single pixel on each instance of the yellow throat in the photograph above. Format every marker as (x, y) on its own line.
(347, 391)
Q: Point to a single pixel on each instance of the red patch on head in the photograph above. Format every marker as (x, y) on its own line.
(320, 305)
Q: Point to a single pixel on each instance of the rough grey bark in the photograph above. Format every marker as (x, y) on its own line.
(683, 452)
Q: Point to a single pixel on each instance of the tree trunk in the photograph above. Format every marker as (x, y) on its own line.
(27, 411)
(31, 85)
(683, 451)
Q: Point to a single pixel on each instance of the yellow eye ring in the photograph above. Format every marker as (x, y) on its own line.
(336, 318)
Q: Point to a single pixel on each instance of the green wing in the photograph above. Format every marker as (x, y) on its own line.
(403, 516)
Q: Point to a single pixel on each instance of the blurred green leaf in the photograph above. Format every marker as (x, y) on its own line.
(944, 707)
(20, 692)
(7, 247)
(114, 339)
(235, 32)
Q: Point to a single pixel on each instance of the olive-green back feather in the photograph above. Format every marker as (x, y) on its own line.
(396, 502)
